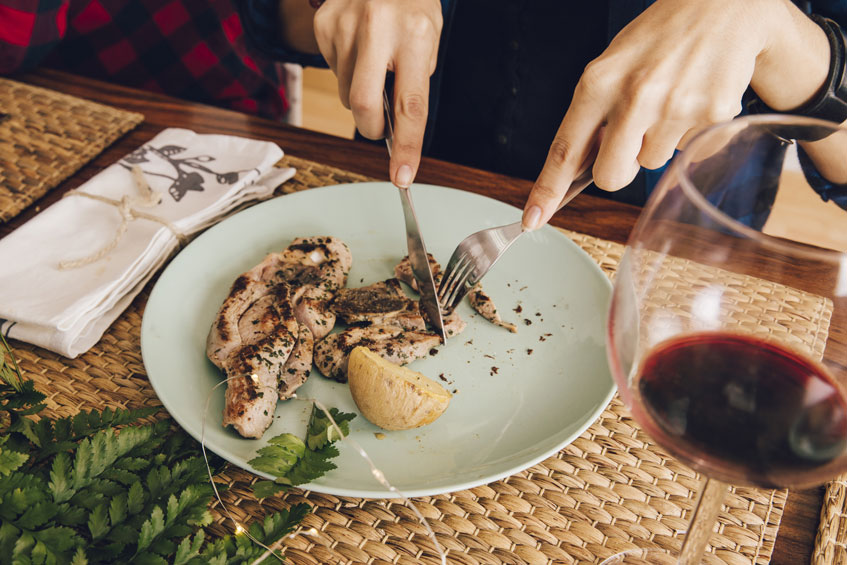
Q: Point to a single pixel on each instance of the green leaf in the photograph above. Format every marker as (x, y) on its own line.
(321, 431)
(70, 515)
(118, 509)
(295, 462)
(264, 489)
(151, 528)
(149, 559)
(135, 498)
(280, 455)
(37, 515)
(56, 543)
(10, 373)
(313, 465)
(9, 535)
(188, 549)
(98, 521)
(95, 455)
(60, 481)
(10, 460)
(284, 522)
(79, 557)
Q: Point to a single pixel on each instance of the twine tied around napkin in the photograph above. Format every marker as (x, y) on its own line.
(127, 208)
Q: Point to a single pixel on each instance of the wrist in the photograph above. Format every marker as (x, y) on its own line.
(793, 67)
(830, 100)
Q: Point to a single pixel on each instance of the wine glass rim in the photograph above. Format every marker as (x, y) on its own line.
(743, 122)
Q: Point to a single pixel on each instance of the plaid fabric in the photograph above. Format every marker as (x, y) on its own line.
(192, 49)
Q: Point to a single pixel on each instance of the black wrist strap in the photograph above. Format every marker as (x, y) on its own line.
(830, 103)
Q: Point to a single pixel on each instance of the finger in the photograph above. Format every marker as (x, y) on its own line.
(366, 87)
(345, 68)
(660, 142)
(573, 143)
(411, 106)
(617, 158)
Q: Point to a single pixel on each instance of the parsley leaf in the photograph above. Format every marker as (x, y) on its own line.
(293, 461)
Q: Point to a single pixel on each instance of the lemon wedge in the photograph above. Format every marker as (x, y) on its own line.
(391, 396)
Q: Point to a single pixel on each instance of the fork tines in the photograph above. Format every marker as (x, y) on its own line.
(455, 282)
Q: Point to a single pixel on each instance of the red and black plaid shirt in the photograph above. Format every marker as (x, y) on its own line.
(192, 49)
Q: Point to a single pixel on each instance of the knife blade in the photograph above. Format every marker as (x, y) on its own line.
(418, 257)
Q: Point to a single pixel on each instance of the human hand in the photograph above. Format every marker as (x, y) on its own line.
(680, 66)
(364, 39)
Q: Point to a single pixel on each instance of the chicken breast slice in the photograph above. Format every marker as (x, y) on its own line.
(382, 303)
(389, 342)
(299, 364)
(251, 340)
(482, 303)
(316, 267)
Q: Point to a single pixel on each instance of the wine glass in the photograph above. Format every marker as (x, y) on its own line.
(718, 326)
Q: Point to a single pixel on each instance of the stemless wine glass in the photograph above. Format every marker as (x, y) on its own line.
(718, 333)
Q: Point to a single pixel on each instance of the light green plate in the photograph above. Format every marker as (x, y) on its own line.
(518, 397)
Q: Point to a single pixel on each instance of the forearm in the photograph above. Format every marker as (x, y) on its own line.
(296, 26)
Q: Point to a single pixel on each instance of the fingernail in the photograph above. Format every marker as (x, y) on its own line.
(532, 218)
(404, 176)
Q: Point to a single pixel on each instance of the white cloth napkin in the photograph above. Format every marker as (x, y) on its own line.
(201, 179)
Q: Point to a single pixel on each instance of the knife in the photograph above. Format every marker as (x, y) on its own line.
(414, 240)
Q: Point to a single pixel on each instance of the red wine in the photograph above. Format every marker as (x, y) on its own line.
(743, 409)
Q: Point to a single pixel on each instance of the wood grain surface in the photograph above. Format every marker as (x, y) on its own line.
(595, 216)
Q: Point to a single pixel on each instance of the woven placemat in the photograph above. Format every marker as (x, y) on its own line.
(610, 490)
(46, 136)
(831, 540)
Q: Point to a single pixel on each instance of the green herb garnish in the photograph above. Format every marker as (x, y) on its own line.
(294, 461)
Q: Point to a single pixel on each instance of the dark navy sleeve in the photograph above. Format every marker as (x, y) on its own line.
(827, 190)
(259, 18)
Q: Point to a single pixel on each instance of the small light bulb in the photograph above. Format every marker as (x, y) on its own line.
(239, 529)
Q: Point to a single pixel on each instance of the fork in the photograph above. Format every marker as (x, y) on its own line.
(478, 252)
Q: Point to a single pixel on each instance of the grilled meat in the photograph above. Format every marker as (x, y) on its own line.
(390, 342)
(483, 304)
(381, 303)
(316, 267)
(250, 340)
(403, 271)
(296, 369)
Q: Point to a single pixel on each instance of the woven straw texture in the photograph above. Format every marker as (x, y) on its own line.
(608, 491)
(45, 137)
(831, 541)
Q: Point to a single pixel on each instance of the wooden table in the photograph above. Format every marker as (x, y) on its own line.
(587, 214)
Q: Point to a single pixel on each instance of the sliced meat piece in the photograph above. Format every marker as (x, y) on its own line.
(483, 304)
(312, 310)
(390, 342)
(316, 267)
(454, 324)
(252, 337)
(322, 261)
(296, 369)
(382, 303)
(403, 271)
